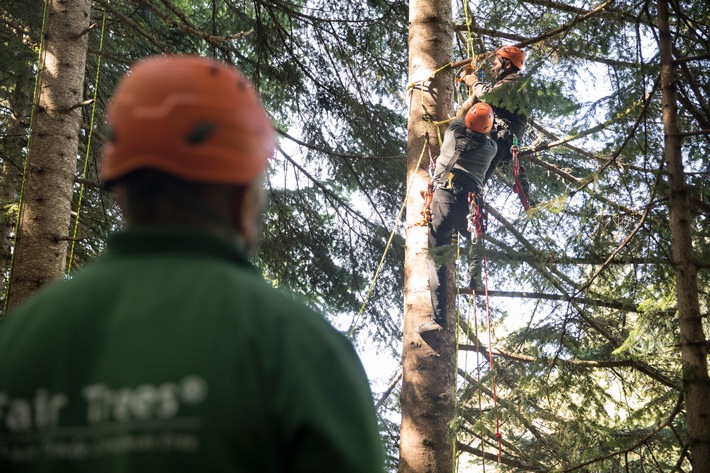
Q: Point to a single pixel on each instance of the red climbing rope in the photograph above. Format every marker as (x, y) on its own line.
(477, 223)
(477, 217)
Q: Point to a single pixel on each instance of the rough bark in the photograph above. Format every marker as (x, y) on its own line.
(12, 145)
(428, 380)
(693, 344)
(41, 246)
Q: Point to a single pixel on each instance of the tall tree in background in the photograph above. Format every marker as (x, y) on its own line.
(41, 242)
(17, 56)
(693, 344)
(429, 368)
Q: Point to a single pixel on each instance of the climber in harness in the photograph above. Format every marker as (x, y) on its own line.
(466, 153)
(511, 106)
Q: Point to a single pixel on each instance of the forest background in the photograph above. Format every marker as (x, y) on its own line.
(589, 368)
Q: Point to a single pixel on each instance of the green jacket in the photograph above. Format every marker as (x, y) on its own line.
(510, 101)
(171, 353)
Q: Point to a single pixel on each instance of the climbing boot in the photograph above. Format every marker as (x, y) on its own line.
(431, 326)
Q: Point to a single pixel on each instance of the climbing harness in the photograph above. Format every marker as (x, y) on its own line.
(517, 171)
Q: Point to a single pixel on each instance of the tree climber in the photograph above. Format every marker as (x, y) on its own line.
(171, 353)
(509, 100)
(466, 154)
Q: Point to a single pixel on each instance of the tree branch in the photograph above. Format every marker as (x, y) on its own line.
(393, 383)
(325, 190)
(625, 306)
(494, 458)
(133, 24)
(606, 332)
(662, 425)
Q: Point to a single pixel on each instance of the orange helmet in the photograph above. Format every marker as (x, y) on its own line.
(191, 117)
(480, 118)
(514, 54)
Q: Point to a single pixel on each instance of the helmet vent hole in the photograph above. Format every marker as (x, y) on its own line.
(200, 132)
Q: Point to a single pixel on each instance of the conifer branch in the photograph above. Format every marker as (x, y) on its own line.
(567, 26)
(628, 238)
(680, 60)
(494, 458)
(552, 276)
(519, 39)
(185, 25)
(660, 426)
(329, 193)
(553, 258)
(523, 42)
(346, 160)
(393, 383)
(581, 185)
(550, 135)
(617, 12)
(133, 24)
(628, 306)
(510, 407)
(482, 349)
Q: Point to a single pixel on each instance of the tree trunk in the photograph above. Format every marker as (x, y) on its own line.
(429, 372)
(694, 348)
(12, 145)
(41, 246)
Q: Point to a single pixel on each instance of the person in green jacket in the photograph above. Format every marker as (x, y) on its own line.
(510, 101)
(170, 352)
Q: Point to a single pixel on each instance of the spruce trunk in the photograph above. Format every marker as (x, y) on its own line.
(429, 372)
(13, 144)
(41, 245)
(693, 344)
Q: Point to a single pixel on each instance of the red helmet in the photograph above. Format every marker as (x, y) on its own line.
(514, 54)
(480, 118)
(191, 117)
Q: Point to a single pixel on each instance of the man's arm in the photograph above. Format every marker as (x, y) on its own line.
(478, 88)
(465, 107)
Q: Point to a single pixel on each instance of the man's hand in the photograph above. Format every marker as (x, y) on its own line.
(471, 79)
(466, 106)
